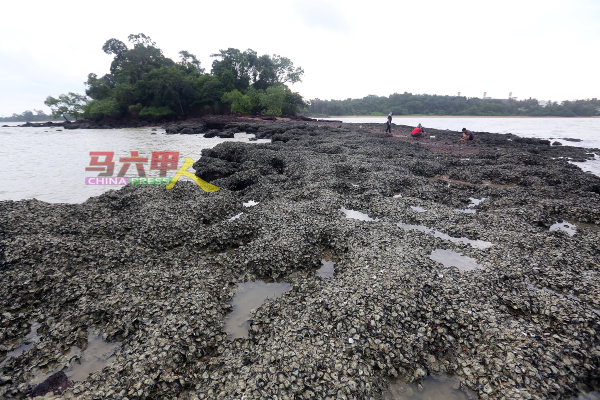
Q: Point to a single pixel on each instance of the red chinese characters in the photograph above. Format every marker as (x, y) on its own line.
(164, 161)
(139, 161)
(161, 161)
(108, 165)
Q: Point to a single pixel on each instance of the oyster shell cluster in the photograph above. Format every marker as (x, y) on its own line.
(156, 270)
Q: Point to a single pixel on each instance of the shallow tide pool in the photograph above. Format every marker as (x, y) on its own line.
(250, 295)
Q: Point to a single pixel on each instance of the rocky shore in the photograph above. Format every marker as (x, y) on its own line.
(154, 272)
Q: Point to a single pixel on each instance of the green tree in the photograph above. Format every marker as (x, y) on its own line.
(71, 104)
(414, 106)
(100, 108)
(237, 63)
(190, 61)
(129, 65)
(156, 112)
(164, 87)
(240, 103)
(116, 48)
(99, 88)
(293, 103)
(273, 100)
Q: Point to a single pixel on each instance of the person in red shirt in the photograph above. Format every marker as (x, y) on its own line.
(418, 131)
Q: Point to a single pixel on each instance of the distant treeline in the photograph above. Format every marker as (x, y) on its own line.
(143, 83)
(27, 116)
(425, 104)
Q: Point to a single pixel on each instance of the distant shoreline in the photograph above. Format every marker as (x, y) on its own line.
(444, 116)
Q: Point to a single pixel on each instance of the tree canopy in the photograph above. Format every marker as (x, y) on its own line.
(66, 104)
(424, 104)
(144, 83)
(27, 115)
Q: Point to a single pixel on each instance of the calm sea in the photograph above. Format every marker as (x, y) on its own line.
(49, 165)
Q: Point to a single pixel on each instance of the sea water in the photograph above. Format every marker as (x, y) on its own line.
(48, 163)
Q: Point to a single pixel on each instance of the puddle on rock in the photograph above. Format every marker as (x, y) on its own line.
(235, 217)
(97, 355)
(327, 269)
(471, 207)
(357, 215)
(571, 226)
(81, 363)
(565, 227)
(418, 209)
(478, 244)
(250, 295)
(475, 202)
(432, 388)
(451, 258)
(466, 210)
(30, 340)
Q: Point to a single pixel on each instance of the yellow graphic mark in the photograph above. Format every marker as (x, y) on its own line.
(207, 187)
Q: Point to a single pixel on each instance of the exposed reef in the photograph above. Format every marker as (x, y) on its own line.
(156, 270)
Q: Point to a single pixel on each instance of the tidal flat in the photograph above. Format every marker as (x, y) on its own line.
(154, 272)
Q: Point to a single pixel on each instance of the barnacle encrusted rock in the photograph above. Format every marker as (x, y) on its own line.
(156, 270)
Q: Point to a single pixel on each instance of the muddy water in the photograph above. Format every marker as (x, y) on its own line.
(30, 340)
(432, 388)
(80, 363)
(357, 215)
(451, 258)
(570, 227)
(250, 295)
(478, 244)
(327, 269)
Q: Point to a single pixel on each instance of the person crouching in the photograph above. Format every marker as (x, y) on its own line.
(418, 131)
(467, 135)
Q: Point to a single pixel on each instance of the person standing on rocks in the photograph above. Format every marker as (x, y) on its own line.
(467, 135)
(389, 123)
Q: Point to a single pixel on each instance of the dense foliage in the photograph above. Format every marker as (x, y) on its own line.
(27, 116)
(424, 104)
(144, 83)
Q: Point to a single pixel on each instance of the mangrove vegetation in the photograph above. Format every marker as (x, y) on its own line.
(425, 104)
(143, 83)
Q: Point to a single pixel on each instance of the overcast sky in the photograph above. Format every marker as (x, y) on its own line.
(549, 49)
